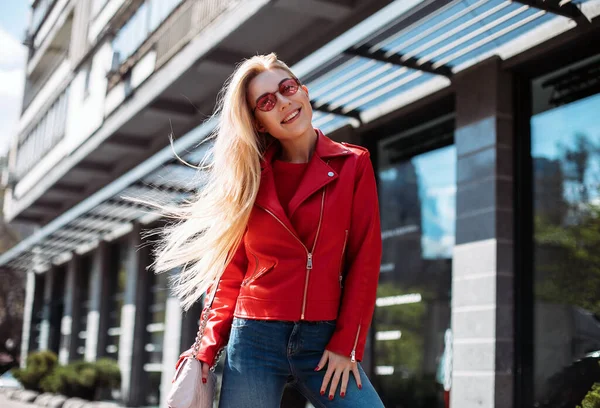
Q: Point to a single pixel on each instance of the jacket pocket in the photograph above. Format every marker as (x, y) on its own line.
(261, 267)
(341, 272)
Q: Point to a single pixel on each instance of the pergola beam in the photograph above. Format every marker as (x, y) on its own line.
(559, 8)
(397, 59)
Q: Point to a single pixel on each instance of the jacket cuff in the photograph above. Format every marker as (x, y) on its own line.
(349, 341)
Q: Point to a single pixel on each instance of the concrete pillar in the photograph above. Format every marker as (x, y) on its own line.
(97, 319)
(482, 281)
(28, 311)
(46, 310)
(171, 342)
(69, 325)
(131, 342)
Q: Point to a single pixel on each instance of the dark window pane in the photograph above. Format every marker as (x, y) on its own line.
(417, 192)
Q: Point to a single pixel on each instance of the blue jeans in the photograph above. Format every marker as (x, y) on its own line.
(264, 356)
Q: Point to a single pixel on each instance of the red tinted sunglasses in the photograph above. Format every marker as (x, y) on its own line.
(266, 102)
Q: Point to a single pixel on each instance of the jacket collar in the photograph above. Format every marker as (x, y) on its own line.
(318, 174)
(325, 148)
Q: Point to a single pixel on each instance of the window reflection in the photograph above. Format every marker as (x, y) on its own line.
(565, 147)
(155, 332)
(117, 282)
(417, 190)
(84, 301)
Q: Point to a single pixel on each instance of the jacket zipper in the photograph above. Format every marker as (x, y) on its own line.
(309, 254)
(253, 276)
(342, 258)
(353, 352)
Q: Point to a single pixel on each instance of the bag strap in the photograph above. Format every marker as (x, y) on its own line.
(204, 320)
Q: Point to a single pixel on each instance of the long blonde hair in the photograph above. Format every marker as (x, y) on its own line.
(207, 229)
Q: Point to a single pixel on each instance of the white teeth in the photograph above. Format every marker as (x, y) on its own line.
(291, 116)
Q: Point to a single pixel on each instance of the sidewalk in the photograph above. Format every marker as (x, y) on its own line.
(8, 403)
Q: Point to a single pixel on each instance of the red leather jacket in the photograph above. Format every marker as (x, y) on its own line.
(275, 276)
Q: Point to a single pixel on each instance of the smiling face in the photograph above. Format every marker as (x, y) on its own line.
(291, 116)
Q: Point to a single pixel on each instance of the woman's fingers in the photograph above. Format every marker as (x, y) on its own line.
(205, 369)
(335, 381)
(327, 378)
(344, 384)
(357, 376)
(323, 361)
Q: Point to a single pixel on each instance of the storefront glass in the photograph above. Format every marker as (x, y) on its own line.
(565, 150)
(417, 193)
(155, 333)
(117, 281)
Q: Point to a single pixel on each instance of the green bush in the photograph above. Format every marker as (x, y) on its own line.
(38, 366)
(592, 399)
(109, 375)
(80, 379)
(83, 379)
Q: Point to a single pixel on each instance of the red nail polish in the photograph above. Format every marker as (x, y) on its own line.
(322, 392)
(318, 368)
(204, 381)
(359, 386)
(330, 397)
(343, 394)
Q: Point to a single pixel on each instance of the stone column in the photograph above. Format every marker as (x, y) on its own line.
(133, 335)
(482, 281)
(171, 342)
(95, 343)
(28, 311)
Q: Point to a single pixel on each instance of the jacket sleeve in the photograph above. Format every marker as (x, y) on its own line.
(216, 333)
(363, 259)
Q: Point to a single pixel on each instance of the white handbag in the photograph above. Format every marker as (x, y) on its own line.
(187, 390)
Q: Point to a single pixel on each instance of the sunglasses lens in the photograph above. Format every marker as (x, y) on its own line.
(288, 87)
(266, 103)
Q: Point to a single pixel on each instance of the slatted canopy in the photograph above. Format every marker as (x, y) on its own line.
(409, 49)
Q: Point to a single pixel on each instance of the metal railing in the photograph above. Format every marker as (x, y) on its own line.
(33, 88)
(43, 136)
(185, 22)
(191, 19)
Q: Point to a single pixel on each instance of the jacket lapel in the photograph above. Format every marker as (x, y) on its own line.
(318, 174)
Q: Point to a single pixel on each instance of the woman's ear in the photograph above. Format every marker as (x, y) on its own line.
(259, 126)
(305, 89)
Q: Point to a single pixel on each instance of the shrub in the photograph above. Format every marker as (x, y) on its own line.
(109, 375)
(38, 366)
(83, 379)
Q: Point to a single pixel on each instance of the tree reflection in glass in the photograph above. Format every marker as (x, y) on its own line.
(566, 167)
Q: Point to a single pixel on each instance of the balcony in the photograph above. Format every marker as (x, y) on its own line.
(172, 60)
(42, 137)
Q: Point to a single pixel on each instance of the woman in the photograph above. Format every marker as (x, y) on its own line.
(294, 217)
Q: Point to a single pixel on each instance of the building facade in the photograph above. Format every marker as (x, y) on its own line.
(480, 116)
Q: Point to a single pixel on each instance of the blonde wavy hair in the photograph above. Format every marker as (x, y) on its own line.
(205, 231)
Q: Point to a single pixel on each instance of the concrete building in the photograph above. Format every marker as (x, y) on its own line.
(460, 103)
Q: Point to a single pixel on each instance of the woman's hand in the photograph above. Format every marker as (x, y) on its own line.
(338, 367)
(205, 367)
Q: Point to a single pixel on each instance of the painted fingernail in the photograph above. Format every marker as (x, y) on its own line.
(359, 386)
(204, 381)
(330, 397)
(343, 394)
(318, 368)
(322, 392)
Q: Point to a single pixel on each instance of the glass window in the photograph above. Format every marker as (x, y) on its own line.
(565, 150)
(56, 340)
(417, 195)
(155, 333)
(136, 30)
(84, 301)
(118, 280)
